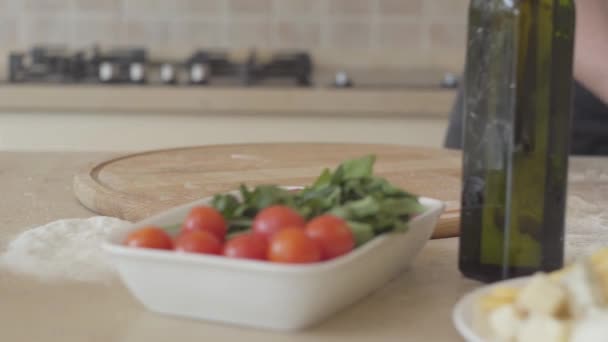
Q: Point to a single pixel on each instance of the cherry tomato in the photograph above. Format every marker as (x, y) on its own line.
(207, 219)
(292, 245)
(149, 237)
(198, 241)
(332, 234)
(272, 219)
(247, 246)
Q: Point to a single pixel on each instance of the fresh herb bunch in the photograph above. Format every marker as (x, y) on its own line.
(371, 205)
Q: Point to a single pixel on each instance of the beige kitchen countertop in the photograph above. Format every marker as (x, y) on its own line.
(378, 92)
(36, 188)
(429, 103)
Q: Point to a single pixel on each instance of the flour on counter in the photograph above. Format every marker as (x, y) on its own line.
(68, 249)
(587, 227)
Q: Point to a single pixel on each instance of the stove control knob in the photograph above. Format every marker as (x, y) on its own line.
(449, 81)
(167, 73)
(342, 80)
(136, 73)
(199, 73)
(106, 72)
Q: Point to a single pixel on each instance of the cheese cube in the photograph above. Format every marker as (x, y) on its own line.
(543, 328)
(498, 297)
(583, 293)
(598, 263)
(559, 274)
(504, 323)
(491, 301)
(542, 296)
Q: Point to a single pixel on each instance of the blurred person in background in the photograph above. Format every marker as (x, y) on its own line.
(590, 113)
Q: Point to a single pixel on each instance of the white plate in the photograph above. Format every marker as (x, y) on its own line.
(263, 294)
(463, 311)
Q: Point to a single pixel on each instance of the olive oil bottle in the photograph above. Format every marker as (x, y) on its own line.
(517, 104)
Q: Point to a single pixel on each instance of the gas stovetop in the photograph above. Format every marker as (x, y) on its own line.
(44, 64)
(135, 66)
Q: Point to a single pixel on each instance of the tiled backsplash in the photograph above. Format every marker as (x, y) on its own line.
(417, 27)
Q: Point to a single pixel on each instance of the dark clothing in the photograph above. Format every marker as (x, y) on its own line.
(589, 124)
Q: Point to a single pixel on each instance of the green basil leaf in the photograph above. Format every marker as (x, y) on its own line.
(401, 226)
(358, 168)
(362, 232)
(226, 204)
(371, 205)
(323, 180)
(173, 229)
(367, 206)
(236, 233)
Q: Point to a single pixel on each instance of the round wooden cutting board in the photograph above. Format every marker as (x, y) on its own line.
(138, 185)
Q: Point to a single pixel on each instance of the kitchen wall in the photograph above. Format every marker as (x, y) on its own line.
(128, 132)
(413, 30)
(410, 34)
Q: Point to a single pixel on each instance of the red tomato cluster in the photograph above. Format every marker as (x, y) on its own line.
(278, 234)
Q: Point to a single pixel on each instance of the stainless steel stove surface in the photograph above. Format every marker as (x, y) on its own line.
(56, 64)
(135, 66)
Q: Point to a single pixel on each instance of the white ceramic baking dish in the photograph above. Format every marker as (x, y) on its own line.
(263, 294)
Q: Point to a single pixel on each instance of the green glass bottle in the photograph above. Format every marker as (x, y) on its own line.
(517, 104)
